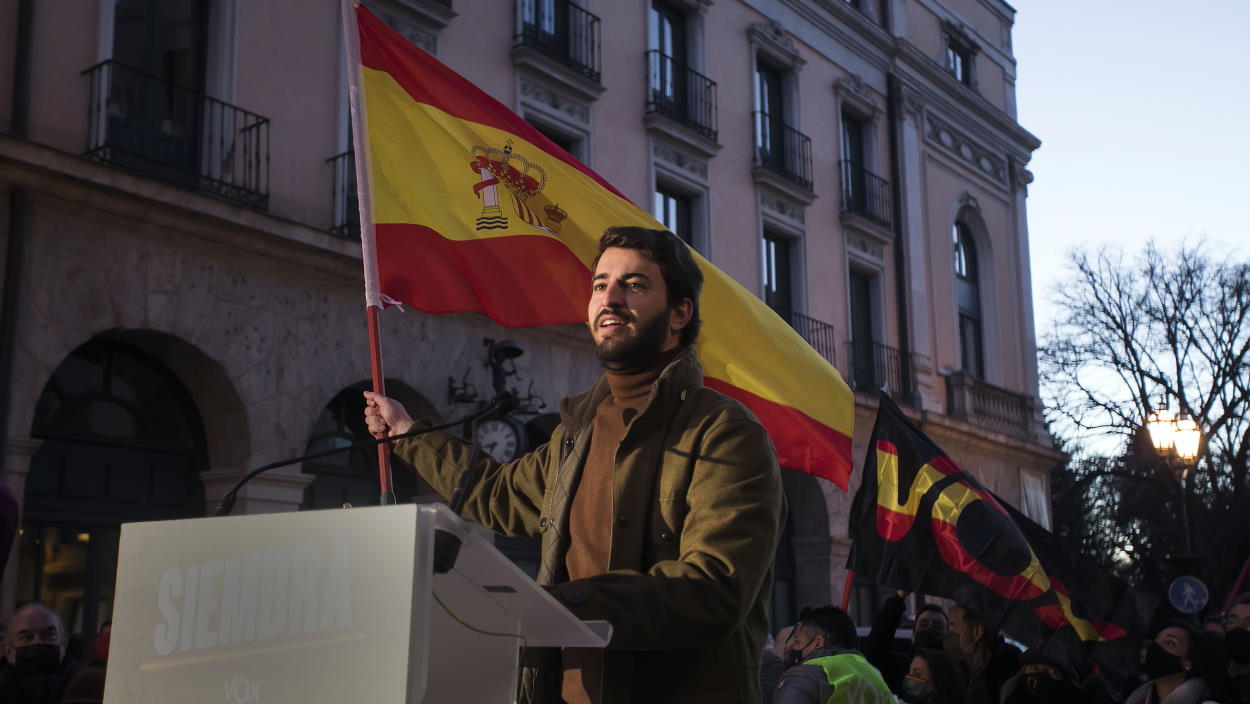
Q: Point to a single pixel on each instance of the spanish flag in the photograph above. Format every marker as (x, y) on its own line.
(473, 210)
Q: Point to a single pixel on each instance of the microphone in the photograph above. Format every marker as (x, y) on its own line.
(502, 403)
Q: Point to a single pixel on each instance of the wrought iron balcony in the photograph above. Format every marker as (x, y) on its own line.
(819, 334)
(563, 31)
(873, 366)
(783, 149)
(681, 94)
(346, 222)
(865, 193)
(988, 406)
(147, 124)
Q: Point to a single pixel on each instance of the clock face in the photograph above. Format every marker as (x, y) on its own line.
(499, 439)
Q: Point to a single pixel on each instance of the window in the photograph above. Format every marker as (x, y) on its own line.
(961, 54)
(547, 18)
(968, 300)
(777, 280)
(673, 210)
(563, 140)
(863, 331)
(770, 111)
(667, 29)
(1033, 500)
(853, 164)
(155, 108)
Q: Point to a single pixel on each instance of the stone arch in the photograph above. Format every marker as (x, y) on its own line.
(227, 436)
(351, 477)
(222, 410)
(810, 547)
(120, 438)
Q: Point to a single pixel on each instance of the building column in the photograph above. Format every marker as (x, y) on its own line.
(1020, 180)
(812, 586)
(916, 251)
(18, 451)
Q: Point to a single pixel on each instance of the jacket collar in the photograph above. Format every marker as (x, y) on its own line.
(681, 374)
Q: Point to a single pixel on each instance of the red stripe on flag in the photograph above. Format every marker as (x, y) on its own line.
(1016, 586)
(429, 81)
(419, 266)
(802, 442)
(893, 525)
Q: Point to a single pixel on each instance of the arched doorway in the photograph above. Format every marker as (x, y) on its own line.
(352, 476)
(803, 560)
(122, 441)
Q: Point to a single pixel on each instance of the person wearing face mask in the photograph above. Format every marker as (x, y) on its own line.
(824, 668)
(1237, 645)
(879, 647)
(1181, 667)
(1041, 680)
(36, 670)
(932, 678)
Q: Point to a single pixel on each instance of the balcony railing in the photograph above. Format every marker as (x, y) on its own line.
(563, 31)
(681, 94)
(343, 197)
(988, 406)
(145, 123)
(873, 366)
(783, 149)
(865, 193)
(819, 334)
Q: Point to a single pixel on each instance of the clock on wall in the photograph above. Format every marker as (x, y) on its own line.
(501, 438)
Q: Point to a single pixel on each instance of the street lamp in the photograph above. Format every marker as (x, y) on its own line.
(1181, 435)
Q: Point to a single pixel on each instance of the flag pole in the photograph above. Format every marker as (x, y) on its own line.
(369, 256)
(1240, 584)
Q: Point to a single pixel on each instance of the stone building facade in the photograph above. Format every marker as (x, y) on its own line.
(182, 298)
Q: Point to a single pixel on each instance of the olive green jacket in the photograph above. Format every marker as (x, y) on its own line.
(698, 512)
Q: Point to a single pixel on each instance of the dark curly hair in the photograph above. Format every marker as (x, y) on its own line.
(682, 276)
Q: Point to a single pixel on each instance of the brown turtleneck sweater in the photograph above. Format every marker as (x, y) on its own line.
(592, 513)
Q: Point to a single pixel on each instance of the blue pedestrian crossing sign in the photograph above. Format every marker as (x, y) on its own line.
(1188, 594)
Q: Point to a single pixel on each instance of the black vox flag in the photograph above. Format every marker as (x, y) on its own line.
(921, 523)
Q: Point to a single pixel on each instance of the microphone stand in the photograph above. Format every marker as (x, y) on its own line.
(500, 403)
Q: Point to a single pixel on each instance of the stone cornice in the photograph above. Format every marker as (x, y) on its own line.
(777, 42)
(929, 81)
(848, 27)
(989, 163)
(989, 45)
(934, 86)
(52, 175)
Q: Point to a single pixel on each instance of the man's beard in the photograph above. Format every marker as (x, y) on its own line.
(637, 353)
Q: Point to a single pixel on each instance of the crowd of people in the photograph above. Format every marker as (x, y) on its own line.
(953, 658)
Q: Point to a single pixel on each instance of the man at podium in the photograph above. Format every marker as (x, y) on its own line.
(658, 501)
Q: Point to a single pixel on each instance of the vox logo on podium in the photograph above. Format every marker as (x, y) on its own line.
(242, 691)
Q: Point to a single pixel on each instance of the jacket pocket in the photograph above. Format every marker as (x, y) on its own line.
(665, 530)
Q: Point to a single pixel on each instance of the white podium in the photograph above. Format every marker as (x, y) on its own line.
(324, 606)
